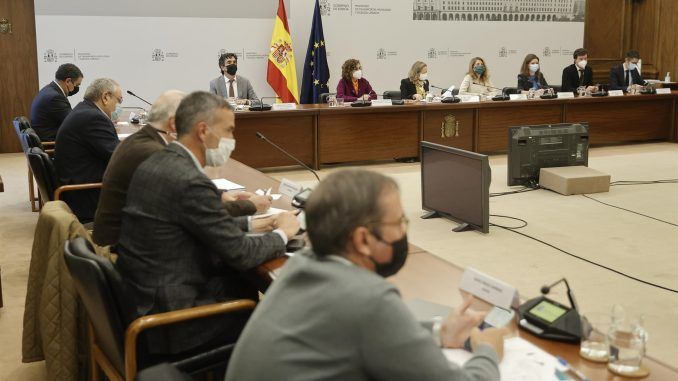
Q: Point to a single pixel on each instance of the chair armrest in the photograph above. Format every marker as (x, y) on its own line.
(166, 318)
(48, 144)
(74, 187)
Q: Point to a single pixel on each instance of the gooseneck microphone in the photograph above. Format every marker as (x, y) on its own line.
(279, 148)
(260, 105)
(546, 289)
(445, 99)
(140, 98)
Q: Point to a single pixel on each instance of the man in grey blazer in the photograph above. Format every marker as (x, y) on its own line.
(332, 316)
(228, 85)
(178, 245)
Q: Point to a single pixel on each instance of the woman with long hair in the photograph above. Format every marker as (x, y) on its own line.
(415, 86)
(477, 80)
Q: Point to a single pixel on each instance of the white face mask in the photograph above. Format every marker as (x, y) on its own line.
(582, 64)
(216, 157)
(423, 76)
(534, 68)
(357, 74)
(632, 66)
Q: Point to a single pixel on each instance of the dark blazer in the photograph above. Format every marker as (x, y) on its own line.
(130, 153)
(180, 248)
(408, 88)
(618, 76)
(571, 78)
(524, 82)
(49, 109)
(345, 90)
(84, 145)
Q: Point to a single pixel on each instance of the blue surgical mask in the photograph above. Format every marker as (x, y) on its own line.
(479, 69)
(115, 115)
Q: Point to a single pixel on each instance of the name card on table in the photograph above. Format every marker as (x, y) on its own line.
(382, 102)
(289, 188)
(664, 90)
(616, 93)
(469, 98)
(518, 97)
(489, 289)
(565, 95)
(283, 106)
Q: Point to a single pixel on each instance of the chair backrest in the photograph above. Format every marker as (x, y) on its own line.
(43, 171)
(556, 88)
(511, 90)
(392, 94)
(33, 139)
(323, 97)
(94, 288)
(21, 123)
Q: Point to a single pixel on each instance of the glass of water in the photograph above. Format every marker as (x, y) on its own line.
(581, 91)
(594, 346)
(332, 100)
(627, 340)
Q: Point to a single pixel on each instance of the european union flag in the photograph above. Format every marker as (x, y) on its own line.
(316, 71)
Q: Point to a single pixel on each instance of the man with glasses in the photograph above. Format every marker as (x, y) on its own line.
(50, 107)
(85, 143)
(331, 315)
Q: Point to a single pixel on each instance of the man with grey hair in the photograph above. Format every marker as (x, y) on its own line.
(85, 142)
(179, 247)
(331, 315)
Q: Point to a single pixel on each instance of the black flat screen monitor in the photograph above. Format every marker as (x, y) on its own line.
(455, 184)
(543, 146)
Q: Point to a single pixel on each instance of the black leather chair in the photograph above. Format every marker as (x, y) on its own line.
(324, 96)
(21, 123)
(115, 328)
(45, 174)
(556, 88)
(511, 90)
(392, 94)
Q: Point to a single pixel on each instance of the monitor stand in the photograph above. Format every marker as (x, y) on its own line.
(462, 227)
(429, 215)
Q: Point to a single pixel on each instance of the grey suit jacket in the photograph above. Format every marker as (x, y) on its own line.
(180, 248)
(326, 320)
(245, 89)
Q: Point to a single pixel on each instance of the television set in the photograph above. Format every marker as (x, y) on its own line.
(531, 148)
(455, 184)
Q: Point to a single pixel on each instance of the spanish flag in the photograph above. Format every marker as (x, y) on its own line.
(282, 70)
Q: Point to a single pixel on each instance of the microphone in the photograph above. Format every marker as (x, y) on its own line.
(502, 97)
(546, 289)
(261, 106)
(452, 99)
(138, 97)
(362, 102)
(264, 138)
(395, 102)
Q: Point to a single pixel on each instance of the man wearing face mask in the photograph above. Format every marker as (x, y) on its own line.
(331, 315)
(50, 107)
(627, 74)
(228, 85)
(179, 247)
(85, 143)
(579, 73)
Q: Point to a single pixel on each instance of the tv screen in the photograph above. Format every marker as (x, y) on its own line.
(545, 146)
(455, 184)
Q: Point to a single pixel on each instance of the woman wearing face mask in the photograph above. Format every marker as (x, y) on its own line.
(352, 86)
(415, 86)
(477, 81)
(531, 77)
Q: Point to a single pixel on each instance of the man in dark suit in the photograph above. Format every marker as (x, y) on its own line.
(179, 247)
(627, 74)
(133, 151)
(50, 107)
(85, 143)
(579, 73)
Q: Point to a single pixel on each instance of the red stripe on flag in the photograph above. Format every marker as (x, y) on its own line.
(282, 15)
(278, 82)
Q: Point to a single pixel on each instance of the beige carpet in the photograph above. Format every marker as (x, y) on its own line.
(630, 243)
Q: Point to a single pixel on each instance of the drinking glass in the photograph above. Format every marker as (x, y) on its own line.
(332, 101)
(594, 345)
(627, 340)
(340, 102)
(581, 90)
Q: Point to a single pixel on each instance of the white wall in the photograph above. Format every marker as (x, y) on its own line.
(120, 42)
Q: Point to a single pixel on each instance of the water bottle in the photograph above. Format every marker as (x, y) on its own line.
(667, 79)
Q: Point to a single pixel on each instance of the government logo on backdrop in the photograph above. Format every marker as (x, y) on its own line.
(432, 53)
(158, 55)
(381, 54)
(50, 56)
(503, 52)
(547, 52)
(325, 7)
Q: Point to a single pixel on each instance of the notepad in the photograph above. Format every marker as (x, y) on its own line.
(123, 136)
(225, 185)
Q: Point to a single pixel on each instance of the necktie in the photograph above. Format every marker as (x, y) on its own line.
(581, 77)
(231, 93)
(626, 77)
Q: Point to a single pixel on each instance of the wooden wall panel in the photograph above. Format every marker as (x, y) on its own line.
(604, 30)
(667, 44)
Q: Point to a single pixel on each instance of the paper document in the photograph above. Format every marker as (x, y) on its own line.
(223, 184)
(123, 136)
(523, 361)
(270, 212)
(274, 196)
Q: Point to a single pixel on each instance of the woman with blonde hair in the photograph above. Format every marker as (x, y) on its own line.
(352, 86)
(477, 80)
(415, 86)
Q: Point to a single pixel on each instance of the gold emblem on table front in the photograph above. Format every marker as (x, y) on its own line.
(449, 127)
(5, 26)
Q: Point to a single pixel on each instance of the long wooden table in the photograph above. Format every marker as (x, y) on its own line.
(320, 135)
(428, 277)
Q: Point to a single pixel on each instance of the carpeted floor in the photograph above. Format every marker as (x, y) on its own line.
(633, 244)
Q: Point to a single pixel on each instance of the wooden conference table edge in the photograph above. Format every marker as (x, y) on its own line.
(442, 279)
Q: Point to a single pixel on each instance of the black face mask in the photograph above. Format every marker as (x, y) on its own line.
(400, 249)
(74, 91)
(231, 69)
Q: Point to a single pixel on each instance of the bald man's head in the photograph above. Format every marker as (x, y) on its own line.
(162, 112)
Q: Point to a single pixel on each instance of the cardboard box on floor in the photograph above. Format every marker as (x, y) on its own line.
(574, 180)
